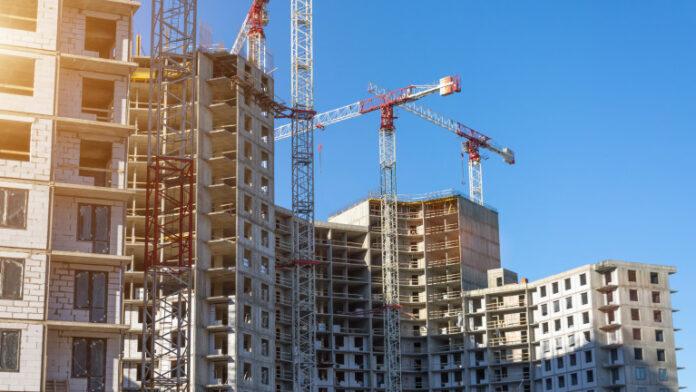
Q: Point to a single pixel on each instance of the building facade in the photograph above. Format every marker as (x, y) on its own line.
(63, 154)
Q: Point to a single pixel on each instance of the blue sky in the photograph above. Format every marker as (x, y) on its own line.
(596, 98)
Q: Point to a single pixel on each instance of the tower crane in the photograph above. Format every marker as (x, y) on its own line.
(252, 32)
(385, 103)
(474, 142)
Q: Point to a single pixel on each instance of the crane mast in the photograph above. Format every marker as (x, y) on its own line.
(302, 150)
(170, 193)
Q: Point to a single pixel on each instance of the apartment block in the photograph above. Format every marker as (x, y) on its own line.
(63, 155)
(233, 342)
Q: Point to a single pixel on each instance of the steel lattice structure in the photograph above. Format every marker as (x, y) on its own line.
(170, 193)
(252, 32)
(302, 90)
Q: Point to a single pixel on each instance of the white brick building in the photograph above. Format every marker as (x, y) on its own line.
(63, 118)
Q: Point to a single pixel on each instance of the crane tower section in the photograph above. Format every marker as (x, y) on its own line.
(170, 192)
(302, 149)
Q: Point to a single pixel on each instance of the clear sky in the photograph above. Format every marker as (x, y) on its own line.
(597, 99)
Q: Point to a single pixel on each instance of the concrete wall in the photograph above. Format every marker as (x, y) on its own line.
(35, 233)
(44, 81)
(31, 304)
(73, 29)
(67, 162)
(45, 35)
(38, 167)
(70, 95)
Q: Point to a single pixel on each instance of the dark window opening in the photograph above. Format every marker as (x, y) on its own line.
(95, 161)
(13, 208)
(19, 15)
(98, 98)
(100, 37)
(93, 225)
(15, 142)
(89, 361)
(11, 278)
(91, 294)
(17, 76)
(9, 351)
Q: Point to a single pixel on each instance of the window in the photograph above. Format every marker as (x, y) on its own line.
(654, 278)
(574, 379)
(633, 295)
(265, 320)
(11, 278)
(265, 185)
(554, 287)
(247, 341)
(265, 134)
(544, 309)
(248, 287)
(264, 159)
(590, 376)
(93, 225)
(13, 207)
(561, 381)
(9, 350)
(640, 374)
(559, 362)
(248, 318)
(557, 325)
(542, 291)
(635, 314)
(556, 306)
(265, 376)
(632, 276)
(586, 318)
(265, 292)
(246, 373)
(265, 347)
(567, 284)
(569, 303)
(248, 151)
(17, 77)
(656, 297)
(657, 316)
(549, 384)
(91, 293)
(98, 98)
(545, 346)
(583, 299)
(588, 356)
(14, 145)
(583, 279)
(660, 355)
(95, 161)
(247, 123)
(248, 204)
(559, 343)
(638, 354)
(19, 15)
(662, 374)
(248, 177)
(570, 321)
(588, 336)
(636, 334)
(264, 265)
(659, 335)
(547, 365)
(100, 37)
(571, 340)
(89, 361)
(545, 328)
(573, 359)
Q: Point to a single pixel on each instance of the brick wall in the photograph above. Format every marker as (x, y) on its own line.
(45, 35)
(44, 81)
(38, 167)
(70, 95)
(34, 236)
(62, 293)
(73, 30)
(65, 213)
(31, 305)
(67, 160)
(59, 359)
(31, 345)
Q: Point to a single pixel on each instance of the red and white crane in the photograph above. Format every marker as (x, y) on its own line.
(253, 34)
(474, 142)
(385, 103)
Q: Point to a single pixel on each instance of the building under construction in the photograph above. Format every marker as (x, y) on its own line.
(74, 315)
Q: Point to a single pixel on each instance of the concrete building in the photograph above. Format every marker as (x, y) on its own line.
(63, 150)
(233, 342)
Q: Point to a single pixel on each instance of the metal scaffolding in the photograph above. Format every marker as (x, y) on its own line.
(170, 193)
(302, 86)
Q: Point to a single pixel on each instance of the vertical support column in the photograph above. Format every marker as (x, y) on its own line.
(302, 85)
(475, 171)
(390, 252)
(170, 194)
